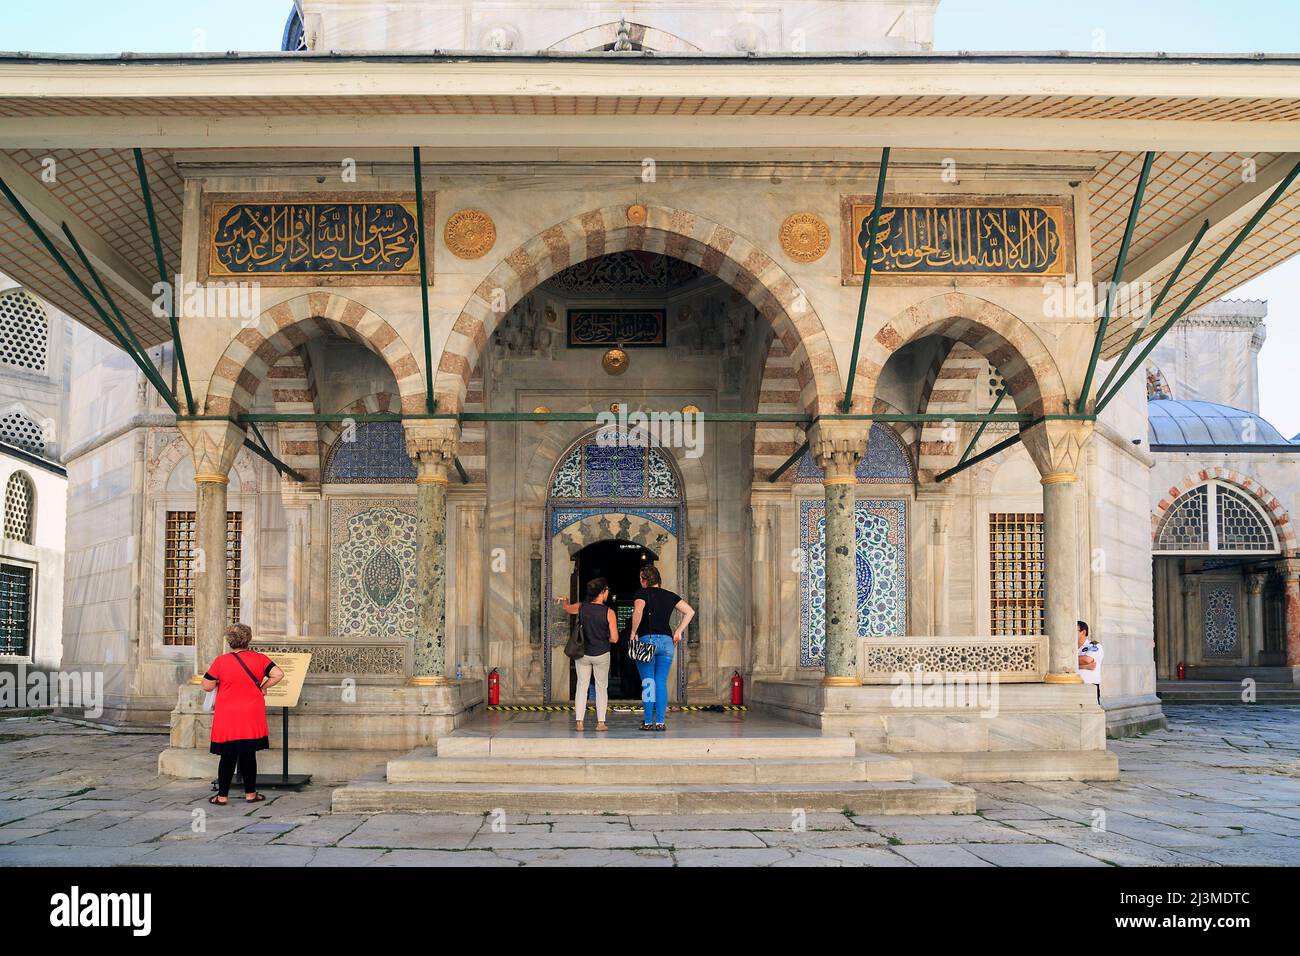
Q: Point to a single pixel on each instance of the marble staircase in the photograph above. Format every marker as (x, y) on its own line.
(701, 765)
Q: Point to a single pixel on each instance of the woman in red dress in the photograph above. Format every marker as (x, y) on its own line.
(240, 679)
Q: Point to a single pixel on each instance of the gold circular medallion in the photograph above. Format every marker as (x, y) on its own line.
(805, 237)
(615, 407)
(636, 214)
(615, 361)
(469, 234)
(690, 409)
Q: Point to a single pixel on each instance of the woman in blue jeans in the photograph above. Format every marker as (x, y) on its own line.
(652, 623)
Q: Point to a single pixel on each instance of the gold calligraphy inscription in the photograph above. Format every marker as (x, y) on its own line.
(805, 237)
(469, 234)
(1017, 239)
(312, 238)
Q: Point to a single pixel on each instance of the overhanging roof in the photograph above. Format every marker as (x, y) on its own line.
(1205, 114)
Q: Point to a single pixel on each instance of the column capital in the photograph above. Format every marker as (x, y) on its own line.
(837, 448)
(1056, 447)
(213, 445)
(432, 446)
(1255, 582)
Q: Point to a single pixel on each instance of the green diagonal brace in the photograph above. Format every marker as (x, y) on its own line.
(1116, 278)
(868, 255)
(983, 425)
(162, 276)
(1218, 264)
(1155, 307)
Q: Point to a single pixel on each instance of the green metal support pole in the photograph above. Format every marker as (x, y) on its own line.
(162, 276)
(1002, 392)
(1155, 307)
(424, 279)
(982, 456)
(868, 255)
(131, 347)
(1116, 278)
(125, 336)
(460, 470)
(1218, 264)
(279, 466)
(145, 366)
(776, 475)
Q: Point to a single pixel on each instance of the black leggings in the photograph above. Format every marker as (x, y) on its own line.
(247, 771)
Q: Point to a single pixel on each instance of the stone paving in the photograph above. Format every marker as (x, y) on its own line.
(1221, 786)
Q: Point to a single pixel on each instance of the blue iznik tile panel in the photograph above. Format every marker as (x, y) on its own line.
(377, 454)
(614, 472)
(561, 518)
(885, 463)
(882, 573)
(372, 567)
(1221, 617)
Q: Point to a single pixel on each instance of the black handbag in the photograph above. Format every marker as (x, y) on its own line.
(577, 644)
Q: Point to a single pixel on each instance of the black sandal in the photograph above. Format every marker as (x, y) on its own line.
(645, 726)
(217, 800)
(661, 727)
(257, 798)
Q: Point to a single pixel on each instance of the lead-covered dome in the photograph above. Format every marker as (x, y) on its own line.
(1173, 423)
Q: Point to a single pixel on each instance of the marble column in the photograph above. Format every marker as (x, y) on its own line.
(1291, 596)
(838, 453)
(1056, 447)
(214, 446)
(1255, 608)
(432, 446)
(1193, 636)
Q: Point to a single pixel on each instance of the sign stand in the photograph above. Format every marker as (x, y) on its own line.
(286, 693)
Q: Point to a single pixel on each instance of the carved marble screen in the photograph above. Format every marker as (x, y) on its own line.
(882, 573)
(372, 567)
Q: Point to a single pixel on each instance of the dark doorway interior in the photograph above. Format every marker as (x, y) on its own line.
(619, 563)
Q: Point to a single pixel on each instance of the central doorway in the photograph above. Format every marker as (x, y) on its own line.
(619, 563)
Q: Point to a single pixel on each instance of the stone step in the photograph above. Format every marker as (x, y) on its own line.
(646, 746)
(423, 766)
(922, 795)
(1229, 698)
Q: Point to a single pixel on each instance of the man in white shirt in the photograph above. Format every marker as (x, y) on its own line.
(1090, 654)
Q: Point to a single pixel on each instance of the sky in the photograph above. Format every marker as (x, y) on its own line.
(1186, 26)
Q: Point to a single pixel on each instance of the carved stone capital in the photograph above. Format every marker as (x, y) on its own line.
(213, 445)
(1255, 582)
(1056, 446)
(837, 449)
(432, 447)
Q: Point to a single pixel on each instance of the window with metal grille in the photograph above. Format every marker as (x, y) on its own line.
(1016, 573)
(19, 430)
(1215, 517)
(19, 498)
(24, 331)
(178, 574)
(15, 609)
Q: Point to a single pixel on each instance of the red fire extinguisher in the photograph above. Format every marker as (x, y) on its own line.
(494, 687)
(737, 689)
(1182, 671)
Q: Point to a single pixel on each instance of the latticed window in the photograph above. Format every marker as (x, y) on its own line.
(19, 430)
(1016, 573)
(178, 574)
(20, 498)
(15, 609)
(24, 331)
(1215, 517)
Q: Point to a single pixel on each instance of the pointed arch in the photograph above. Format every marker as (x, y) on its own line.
(675, 232)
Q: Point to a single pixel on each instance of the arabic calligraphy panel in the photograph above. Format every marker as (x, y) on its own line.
(313, 238)
(985, 239)
(603, 328)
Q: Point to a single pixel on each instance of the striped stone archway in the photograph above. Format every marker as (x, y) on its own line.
(1261, 495)
(1008, 342)
(252, 353)
(675, 232)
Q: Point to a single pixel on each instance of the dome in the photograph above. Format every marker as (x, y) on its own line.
(1174, 423)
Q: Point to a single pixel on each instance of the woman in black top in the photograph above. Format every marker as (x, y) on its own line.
(652, 623)
(599, 631)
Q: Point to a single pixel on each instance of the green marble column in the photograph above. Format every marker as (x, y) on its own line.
(430, 664)
(841, 583)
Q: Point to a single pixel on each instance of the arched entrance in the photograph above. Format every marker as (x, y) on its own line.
(612, 503)
(619, 564)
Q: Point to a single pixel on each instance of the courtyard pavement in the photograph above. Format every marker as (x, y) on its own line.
(1221, 786)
